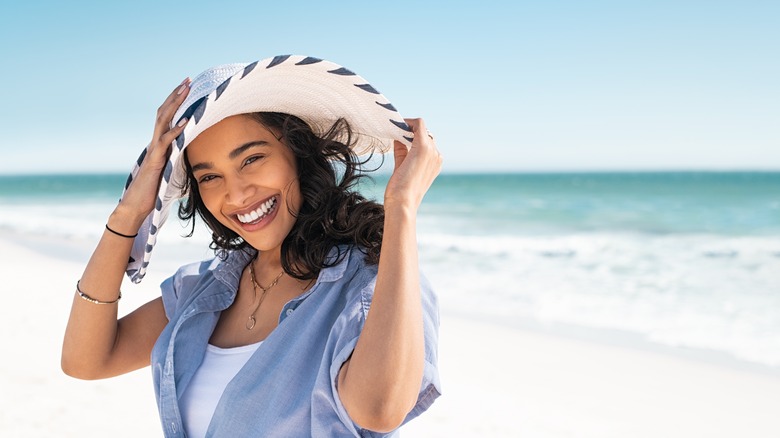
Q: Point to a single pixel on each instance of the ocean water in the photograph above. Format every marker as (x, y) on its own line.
(681, 259)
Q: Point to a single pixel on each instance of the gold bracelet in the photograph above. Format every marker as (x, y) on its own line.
(92, 300)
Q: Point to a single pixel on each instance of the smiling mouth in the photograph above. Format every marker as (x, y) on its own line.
(259, 213)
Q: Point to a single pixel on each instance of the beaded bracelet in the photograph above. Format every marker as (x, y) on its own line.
(86, 297)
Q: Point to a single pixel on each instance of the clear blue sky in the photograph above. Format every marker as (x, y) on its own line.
(505, 86)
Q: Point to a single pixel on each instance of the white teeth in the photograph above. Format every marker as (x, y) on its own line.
(261, 211)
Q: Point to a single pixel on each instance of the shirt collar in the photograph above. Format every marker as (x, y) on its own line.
(229, 270)
(340, 255)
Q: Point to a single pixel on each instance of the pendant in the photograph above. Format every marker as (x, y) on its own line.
(250, 323)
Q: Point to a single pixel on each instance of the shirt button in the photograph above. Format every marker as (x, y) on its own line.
(289, 312)
(173, 427)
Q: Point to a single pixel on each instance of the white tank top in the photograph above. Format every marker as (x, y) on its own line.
(199, 401)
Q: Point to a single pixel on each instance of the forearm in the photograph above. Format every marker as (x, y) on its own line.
(91, 332)
(386, 368)
(96, 344)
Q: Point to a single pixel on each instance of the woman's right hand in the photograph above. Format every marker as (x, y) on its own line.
(138, 201)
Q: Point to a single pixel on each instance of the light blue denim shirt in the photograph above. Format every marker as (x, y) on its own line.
(288, 387)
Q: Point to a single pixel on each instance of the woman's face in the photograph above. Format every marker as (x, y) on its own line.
(247, 179)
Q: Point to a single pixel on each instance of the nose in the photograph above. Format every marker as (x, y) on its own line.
(238, 190)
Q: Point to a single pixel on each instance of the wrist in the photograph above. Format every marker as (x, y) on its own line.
(400, 211)
(124, 221)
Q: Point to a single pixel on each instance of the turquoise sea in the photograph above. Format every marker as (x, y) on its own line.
(681, 259)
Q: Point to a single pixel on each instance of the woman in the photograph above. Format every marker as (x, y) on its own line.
(273, 337)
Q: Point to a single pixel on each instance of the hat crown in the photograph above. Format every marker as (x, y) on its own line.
(203, 84)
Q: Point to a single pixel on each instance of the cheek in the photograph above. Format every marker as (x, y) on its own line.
(210, 202)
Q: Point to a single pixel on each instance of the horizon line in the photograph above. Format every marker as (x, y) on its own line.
(387, 172)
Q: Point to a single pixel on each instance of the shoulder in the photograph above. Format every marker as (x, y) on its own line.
(361, 277)
(355, 279)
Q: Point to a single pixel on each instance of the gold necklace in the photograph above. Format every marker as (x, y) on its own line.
(251, 321)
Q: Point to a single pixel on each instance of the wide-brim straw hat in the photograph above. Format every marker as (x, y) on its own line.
(317, 91)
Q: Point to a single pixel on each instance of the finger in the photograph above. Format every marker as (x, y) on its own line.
(421, 134)
(166, 111)
(400, 150)
(417, 125)
(174, 100)
(174, 132)
(178, 92)
(160, 143)
(164, 141)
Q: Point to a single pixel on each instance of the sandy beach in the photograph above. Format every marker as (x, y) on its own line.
(499, 380)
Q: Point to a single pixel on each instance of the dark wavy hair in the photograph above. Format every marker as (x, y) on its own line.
(332, 212)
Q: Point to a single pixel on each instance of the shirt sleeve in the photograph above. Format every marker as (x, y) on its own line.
(176, 289)
(170, 296)
(430, 388)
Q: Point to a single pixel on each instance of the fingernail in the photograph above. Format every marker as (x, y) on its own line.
(181, 89)
(182, 122)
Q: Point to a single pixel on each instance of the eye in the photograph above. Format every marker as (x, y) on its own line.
(206, 178)
(253, 158)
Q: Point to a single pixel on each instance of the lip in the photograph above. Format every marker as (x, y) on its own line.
(253, 226)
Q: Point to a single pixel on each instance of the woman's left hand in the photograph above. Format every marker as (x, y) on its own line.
(379, 384)
(415, 168)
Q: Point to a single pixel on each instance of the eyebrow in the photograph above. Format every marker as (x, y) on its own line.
(235, 153)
